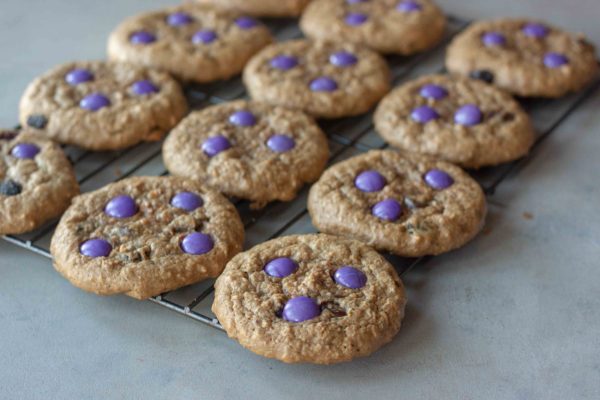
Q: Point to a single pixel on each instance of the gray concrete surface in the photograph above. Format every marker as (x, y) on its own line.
(515, 315)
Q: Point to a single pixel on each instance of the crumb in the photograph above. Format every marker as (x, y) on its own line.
(527, 215)
(486, 231)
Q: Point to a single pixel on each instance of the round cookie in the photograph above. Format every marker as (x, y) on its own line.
(144, 236)
(102, 106)
(311, 298)
(324, 79)
(527, 58)
(37, 181)
(460, 120)
(409, 205)
(193, 42)
(248, 150)
(262, 8)
(388, 26)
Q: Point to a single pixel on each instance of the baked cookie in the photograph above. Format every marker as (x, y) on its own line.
(409, 205)
(102, 106)
(525, 57)
(461, 120)
(193, 42)
(36, 181)
(325, 79)
(145, 236)
(262, 8)
(313, 298)
(388, 26)
(248, 150)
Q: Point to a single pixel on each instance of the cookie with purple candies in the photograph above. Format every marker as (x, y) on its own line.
(460, 120)
(248, 150)
(310, 299)
(102, 106)
(37, 181)
(262, 8)
(387, 26)
(324, 79)
(406, 204)
(525, 57)
(144, 236)
(194, 42)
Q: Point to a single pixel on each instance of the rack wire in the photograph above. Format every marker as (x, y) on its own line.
(347, 137)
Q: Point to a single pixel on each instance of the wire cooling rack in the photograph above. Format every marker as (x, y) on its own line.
(347, 137)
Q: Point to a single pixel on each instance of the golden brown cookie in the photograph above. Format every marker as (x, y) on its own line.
(461, 120)
(192, 42)
(248, 150)
(525, 57)
(37, 181)
(313, 299)
(262, 8)
(387, 26)
(145, 236)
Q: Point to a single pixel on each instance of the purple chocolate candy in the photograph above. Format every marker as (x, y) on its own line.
(343, 59)
(468, 115)
(204, 37)
(555, 60)
(122, 206)
(281, 267)
(323, 84)
(350, 277)
(370, 181)
(281, 143)
(424, 114)
(142, 37)
(432, 91)
(197, 243)
(300, 309)
(408, 6)
(77, 76)
(187, 201)
(214, 145)
(246, 22)
(355, 19)
(94, 102)
(143, 87)
(25, 151)
(388, 210)
(179, 19)
(95, 248)
(356, 1)
(492, 39)
(438, 179)
(284, 62)
(535, 30)
(242, 118)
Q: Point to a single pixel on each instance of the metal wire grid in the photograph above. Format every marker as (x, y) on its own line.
(347, 137)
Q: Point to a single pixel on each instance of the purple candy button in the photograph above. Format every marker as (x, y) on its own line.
(77, 76)
(25, 151)
(187, 201)
(281, 267)
(323, 84)
(179, 19)
(370, 181)
(408, 6)
(300, 309)
(142, 37)
(121, 207)
(356, 1)
(388, 210)
(424, 114)
(242, 118)
(438, 179)
(555, 60)
(343, 59)
(144, 87)
(281, 143)
(204, 37)
(468, 115)
(284, 62)
(350, 277)
(355, 19)
(535, 30)
(214, 145)
(246, 22)
(492, 39)
(431, 91)
(197, 243)
(94, 102)
(95, 248)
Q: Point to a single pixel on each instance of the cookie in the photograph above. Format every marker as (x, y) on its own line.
(313, 298)
(262, 8)
(248, 150)
(387, 26)
(525, 57)
(409, 205)
(102, 106)
(193, 42)
(144, 236)
(324, 79)
(461, 120)
(36, 181)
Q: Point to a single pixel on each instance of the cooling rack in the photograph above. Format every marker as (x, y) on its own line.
(347, 137)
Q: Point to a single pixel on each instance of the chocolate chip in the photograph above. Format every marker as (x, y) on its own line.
(482, 75)
(10, 188)
(334, 308)
(8, 135)
(37, 121)
(507, 117)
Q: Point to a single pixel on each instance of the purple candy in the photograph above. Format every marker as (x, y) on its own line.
(142, 37)
(491, 39)
(424, 114)
(438, 179)
(179, 19)
(77, 76)
(370, 181)
(323, 84)
(468, 115)
(246, 22)
(197, 243)
(144, 87)
(408, 6)
(300, 309)
(284, 62)
(281, 267)
(388, 210)
(204, 37)
(281, 143)
(356, 1)
(555, 60)
(187, 201)
(343, 59)
(121, 207)
(431, 91)
(25, 151)
(242, 118)
(94, 102)
(355, 19)
(214, 145)
(350, 277)
(535, 30)
(95, 248)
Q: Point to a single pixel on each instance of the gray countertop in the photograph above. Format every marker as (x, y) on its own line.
(514, 315)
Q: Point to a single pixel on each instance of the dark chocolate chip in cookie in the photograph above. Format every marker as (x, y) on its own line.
(482, 75)
(8, 135)
(10, 188)
(37, 121)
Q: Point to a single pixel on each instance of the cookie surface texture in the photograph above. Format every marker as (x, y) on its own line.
(262, 8)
